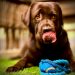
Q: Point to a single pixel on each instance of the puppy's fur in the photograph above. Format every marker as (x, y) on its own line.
(43, 18)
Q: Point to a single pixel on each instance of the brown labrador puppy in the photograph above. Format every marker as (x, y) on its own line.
(47, 39)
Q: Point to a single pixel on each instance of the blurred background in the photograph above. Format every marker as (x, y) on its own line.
(13, 32)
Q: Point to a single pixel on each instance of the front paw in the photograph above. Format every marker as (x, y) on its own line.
(12, 69)
(72, 66)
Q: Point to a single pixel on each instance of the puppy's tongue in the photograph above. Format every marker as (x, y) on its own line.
(49, 37)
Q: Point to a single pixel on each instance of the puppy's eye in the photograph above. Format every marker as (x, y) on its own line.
(53, 17)
(38, 17)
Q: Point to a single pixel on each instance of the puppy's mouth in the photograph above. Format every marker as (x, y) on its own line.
(49, 35)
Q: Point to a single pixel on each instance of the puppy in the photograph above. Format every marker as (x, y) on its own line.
(47, 38)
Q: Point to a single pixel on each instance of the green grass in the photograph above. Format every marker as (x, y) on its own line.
(4, 63)
(27, 71)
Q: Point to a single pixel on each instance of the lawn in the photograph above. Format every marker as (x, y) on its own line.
(4, 63)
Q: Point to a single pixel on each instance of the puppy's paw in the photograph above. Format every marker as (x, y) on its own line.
(73, 66)
(12, 69)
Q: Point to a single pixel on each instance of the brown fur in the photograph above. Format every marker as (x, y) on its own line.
(38, 16)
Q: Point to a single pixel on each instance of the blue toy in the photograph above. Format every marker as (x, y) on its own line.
(56, 67)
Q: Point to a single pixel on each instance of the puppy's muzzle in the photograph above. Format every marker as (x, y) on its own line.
(48, 35)
(46, 29)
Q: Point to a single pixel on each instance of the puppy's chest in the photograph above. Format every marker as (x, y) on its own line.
(51, 53)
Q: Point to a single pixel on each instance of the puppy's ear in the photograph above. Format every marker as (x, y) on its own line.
(26, 17)
(60, 17)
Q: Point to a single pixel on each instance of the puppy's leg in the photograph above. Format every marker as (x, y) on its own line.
(18, 66)
(68, 54)
(72, 65)
(22, 63)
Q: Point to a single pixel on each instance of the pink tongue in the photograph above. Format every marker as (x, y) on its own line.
(49, 36)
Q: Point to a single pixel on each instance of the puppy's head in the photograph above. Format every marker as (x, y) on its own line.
(44, 20)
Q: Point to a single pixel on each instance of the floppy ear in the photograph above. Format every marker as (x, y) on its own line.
(26, 17)
(60, 17)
